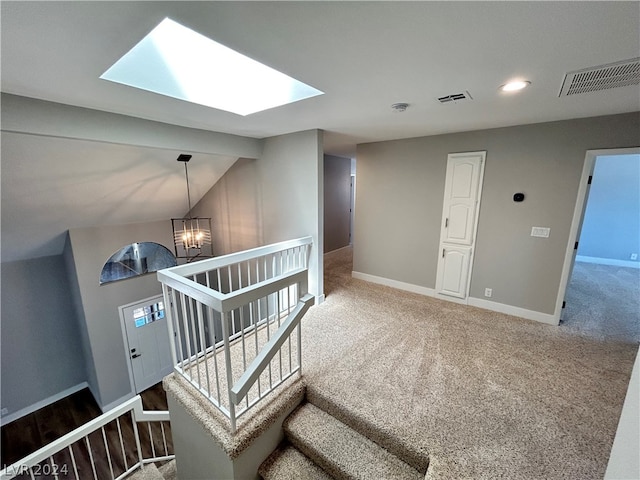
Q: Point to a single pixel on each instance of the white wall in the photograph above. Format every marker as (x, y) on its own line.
(400, 188)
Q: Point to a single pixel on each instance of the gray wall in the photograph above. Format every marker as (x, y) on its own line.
(40, 340)
(611, 227)
(91, 248)
(274, 198)
(234, 206)
(290, 179)
(400, 187)
(337, 202)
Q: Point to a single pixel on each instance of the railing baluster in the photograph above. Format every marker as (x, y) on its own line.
(197, 346)
(164, 439)
(185, 326)
(124, 454)
(93, 465)
(279, 315)
(203, 346)
(136, 436)
(166, 295)
(153, 447)
(54, 470)
(227, 358)
(106, 448)
(215, 357)
(252, 306)
(73, 463)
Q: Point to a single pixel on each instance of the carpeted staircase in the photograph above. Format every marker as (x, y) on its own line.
(318, 446)
(152, 472)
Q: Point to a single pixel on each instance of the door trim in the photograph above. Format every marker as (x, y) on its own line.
(483, 159)
(578, 213)
(125, 338)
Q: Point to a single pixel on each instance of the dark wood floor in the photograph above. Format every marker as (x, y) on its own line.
(31, 432)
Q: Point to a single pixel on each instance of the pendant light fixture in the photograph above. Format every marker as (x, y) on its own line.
(191, 235)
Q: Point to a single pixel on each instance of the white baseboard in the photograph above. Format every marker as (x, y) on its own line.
(41, 404)
(121, 400)
(608, 261)
(547, 318)
(409, 287)
(474, 302)
(338, 250)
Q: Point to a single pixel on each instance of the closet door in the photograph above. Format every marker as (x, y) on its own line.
(463, 186)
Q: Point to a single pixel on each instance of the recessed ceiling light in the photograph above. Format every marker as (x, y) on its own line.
(515, 86)
(176, 61)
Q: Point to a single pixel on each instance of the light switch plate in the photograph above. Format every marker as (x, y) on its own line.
(542, 232)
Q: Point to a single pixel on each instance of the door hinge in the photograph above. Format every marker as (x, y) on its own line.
(575, 247)
(564, 304)
(590, 179)
(443, 252)
(446, 223)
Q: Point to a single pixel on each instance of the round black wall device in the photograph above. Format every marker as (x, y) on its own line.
(518, 197)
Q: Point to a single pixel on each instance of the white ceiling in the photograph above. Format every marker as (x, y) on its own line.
(363, 55)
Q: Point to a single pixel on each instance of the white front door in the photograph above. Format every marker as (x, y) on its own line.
(147, 337)
(463, 187)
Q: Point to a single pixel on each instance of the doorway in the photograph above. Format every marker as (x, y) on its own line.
(146, 337)
(602, 295)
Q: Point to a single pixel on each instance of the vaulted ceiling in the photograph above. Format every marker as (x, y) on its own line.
(365, 56)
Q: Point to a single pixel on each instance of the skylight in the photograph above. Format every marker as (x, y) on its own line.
(174, 60)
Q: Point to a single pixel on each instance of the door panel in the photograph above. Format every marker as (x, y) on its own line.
(460, 196)
(148, 342)
(454, 270)
(459, 225)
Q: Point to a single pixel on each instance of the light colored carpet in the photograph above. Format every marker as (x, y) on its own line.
(482, 394)
(604, 302)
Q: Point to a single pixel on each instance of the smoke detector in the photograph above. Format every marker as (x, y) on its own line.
(399, 107)
(603, 77)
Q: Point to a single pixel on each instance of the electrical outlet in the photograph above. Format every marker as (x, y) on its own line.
(4, 411)
(488, 292)
(634, 256)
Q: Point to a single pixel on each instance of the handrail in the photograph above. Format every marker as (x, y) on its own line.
(133, 405)
(250, 376)
(195, 268)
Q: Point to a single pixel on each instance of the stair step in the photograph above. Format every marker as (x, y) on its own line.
(147, 472)
(168, 470)
(411, 454)
(341, 451)
(288, 463)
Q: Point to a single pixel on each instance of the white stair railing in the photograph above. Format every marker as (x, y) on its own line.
(108, 447)
(236, 322)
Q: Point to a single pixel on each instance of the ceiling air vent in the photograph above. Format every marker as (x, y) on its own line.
(455, 97)
(604, 77)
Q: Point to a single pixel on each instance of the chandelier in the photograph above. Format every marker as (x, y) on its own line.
(191, 235)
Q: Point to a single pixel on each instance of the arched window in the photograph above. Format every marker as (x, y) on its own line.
(136, 259)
